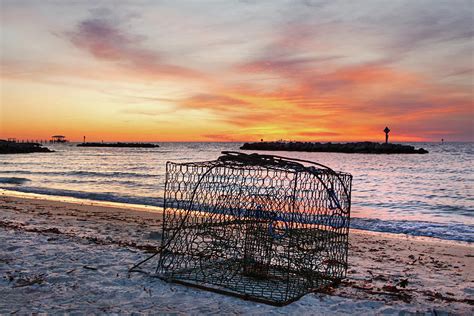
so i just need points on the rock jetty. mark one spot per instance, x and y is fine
(8, 147)
(350, 148)
(132, 145)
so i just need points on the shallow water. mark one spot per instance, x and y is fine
(426, 195)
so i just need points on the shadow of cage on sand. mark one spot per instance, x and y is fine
(264, 228)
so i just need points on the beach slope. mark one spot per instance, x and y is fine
(71, 257)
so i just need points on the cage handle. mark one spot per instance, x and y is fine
(287, 161)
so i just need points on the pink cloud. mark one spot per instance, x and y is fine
(105, 39)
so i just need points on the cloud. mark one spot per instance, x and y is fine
(285, 64)
(318, 134)
(104, 36)
(163, 110)
(214, 101)
(224, 137)
(424, 24)
(289, 69)
(105, 41)
(468, 71)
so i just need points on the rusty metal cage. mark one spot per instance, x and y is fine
(265, 228)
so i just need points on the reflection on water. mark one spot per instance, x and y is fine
(435, 188)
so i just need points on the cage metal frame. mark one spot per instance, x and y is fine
(260, 227)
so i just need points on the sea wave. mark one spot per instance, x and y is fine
(13, 180)
(448, 231)
(103, 196)
(118, 174)
(420, 206)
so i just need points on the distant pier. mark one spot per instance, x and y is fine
(23, 141)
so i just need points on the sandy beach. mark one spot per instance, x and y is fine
(59, 256)
(304, 157)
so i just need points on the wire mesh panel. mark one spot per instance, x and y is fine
(260, 227)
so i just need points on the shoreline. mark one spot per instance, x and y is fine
(74, 200)
(438, 273)
(159, 209)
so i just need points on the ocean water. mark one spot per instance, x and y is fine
(424, 195)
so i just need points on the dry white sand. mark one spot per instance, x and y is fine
(70, 257)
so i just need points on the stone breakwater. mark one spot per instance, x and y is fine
(7, 147)
(350, 148)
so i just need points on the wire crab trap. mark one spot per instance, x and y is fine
(265, 228)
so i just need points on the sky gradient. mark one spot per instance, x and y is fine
(237, 70)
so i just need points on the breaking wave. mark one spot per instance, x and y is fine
(14, 180)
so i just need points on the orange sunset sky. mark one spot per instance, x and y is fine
(237, 70)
